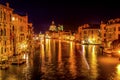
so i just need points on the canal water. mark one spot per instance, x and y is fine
(65, 60)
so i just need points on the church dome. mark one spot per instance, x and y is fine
(52, 26)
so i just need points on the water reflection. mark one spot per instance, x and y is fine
(72, 60)
(42, 51)
(59, 55)
(64, 60)
(116, 75)
(118, 72)
(92, 58)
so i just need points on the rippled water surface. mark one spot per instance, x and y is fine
(65, 60)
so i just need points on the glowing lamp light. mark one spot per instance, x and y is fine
(119, 51)
(83, 41)
(13, 18)
(23, 45)
(118, 69)
(37, 38)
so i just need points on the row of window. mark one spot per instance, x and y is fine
(111, 29)
(2, 14)
(18, 19)
(3, 32)
(5, 49)
(90, 31)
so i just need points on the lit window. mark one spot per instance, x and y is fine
(13, 18)
(16, 19)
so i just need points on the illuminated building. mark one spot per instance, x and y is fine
(5, 24)
(78, 34)
(89, 34)
(110, 31)
(14, 31)
(30, 37)
(53, 27)
(60, 27)
(103, 33)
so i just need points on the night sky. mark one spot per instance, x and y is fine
(69, 13)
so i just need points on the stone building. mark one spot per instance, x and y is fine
(89, 34)
(15, 31)
(52, 27)
(110, 31)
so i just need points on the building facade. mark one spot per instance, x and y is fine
(89, 34)
(20, 32)
(15, 31)
(5, 23)
(52, 27)
(110, 31)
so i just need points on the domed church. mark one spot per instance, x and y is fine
(52, 27)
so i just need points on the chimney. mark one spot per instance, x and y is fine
(7, 4)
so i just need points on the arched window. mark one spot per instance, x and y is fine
(1, 50)
(21, 28)
(13, 28)
(4, 16)
(1, 32)
(4, 32)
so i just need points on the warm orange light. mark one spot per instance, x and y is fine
(119, 51)
(118, 69)
(13, 18)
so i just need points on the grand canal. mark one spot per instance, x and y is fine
(64, 60)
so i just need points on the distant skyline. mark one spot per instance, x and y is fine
(70, 13)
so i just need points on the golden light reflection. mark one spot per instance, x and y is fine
(53, 52)
(83, 48)
(118, 69)
(25, 56)
(42, 58)
(46, 42)
(60, 56)
(119, 51)
(72, 60)
(93, 62)
(85, 61)
(43, 53)
(117, 75)
(49, 51)
(94, 58)
(83, 55)
(59, 52)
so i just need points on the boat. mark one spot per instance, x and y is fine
(4, 65)
(113, 52)
(18, 62)
(116, 53)
(107, 50)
